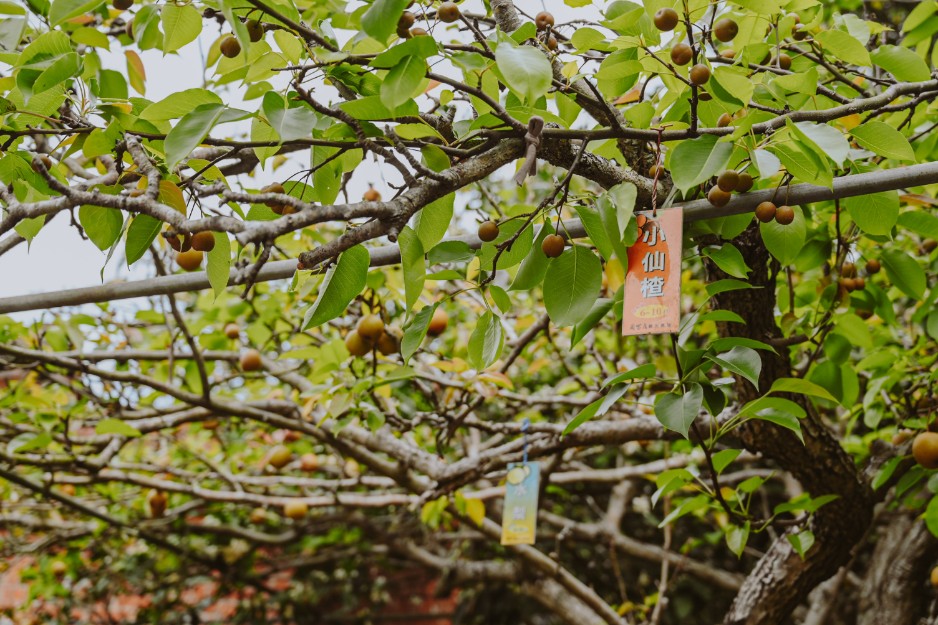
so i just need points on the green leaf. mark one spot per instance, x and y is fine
(597, 408)
(380, 20)
(534, 266)
(801, 387)
(402, 82)
(116, 427)
(844, 47)
(576, 279)
(181, 25)
(728, 258)
(288, 123)
(642, 371)
(449, 252)
(219, 263)
(178, 104)
(415, 332)
(902, 63)
(904, 272)
(190, 131)
(59, 72)
(802, 542)
(724, 458)
(697, 160)
(141, 233)
(28, 441)
(413, 265)
(687, 507)
(874, 213)
(777, 410)
(920, 222)
(723, 286)
(883, 139)
(433, 220)
(741, 361)
(526, 70)
(737, 537)
(500, 297)
(486, 341)
(102, 225)
(62, 10)
(677, 412)
(599, 310)
(785, 242)
(343, 282)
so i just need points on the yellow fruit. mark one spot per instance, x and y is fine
(356, 344)
(438, 322)
(258, 516)
(370, 327)
(925, 450)
(279, 456)
(295, 510)
(934, 577)
(309, 462)
(58, 568)
(190, 260)
(388, 344)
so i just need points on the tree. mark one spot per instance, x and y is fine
(357, 423)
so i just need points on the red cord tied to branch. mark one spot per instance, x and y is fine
(532, 140)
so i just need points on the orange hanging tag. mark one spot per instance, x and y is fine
(652, 302)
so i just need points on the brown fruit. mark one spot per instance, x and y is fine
(174, 242)
(58, 568)
(448, 12)
(653, 171)
(666, 19)
(553, 245)
(860, 283)
(681, 54)
(765, 212)
(370, 327)
(189, 260)
(543, 20)
(255, 30)
(933, 578)
(848, 270)
(406, 21)
(371, 195)
(744, 184)
(273, 187)
(295, 510)
(230, 47)
(438, 322)
(703, 96)
(203, 241)
(725, 120)
(418, 32)
(783, 61)
(129, 28)
(250, 360)
(728, 54)
(388, 344)
(725, 29)
(157, 501)
(699, 74)
(309, 462)
(232, 330)
(122, 5)
(551, 43)
(718, 197)
(279, 457)
(68, 489)
(785, 215)
(925, 450)
(488, 231)
(873, 266)
(258, 516)
(849, 284)
(799, 32)
(929, 245)
(728, 180)
(356, 344)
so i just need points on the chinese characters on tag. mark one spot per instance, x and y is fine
(653, 282)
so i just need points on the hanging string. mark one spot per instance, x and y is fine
(524, 430)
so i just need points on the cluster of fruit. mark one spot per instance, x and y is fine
(190, 247)
(370, 334)
(552, 245)
(727, 182)
(724, 30)
(231, 47)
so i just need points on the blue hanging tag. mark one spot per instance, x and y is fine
(519, 513)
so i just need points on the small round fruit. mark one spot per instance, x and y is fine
(682, 54)
(189, 260)
(785, 215)
(203, 241)
(925, 450)
(873, 266)
(279, 457)
(783, 61)
(438, 322)
(745, 183)
(157, 501)
(724, 120)
(59, 568)
(488, 231)
(666, 19)
(551, 43)
(230, 47)
(799, 32)
(255, 30)
(258, 516)
(543, 20)
(553, 245)
(309, 462)
(725, 29)
(929, 245)
(295, 510)
(371, 195)
(406, 21)
(388, 344)
(68, 489)
(232, 330)
(448, 12)
(122, 5)
(860, 283)
(765, 212)
(370, 327)
(655, 170)
(250, 360)
(728, 54)
(356, 344)
(418, 32)
(699, 74)
(728, 180)
(718, 197)
(848, 270)
(849, 284)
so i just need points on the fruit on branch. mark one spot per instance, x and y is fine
(295, 510)
(783, 61)
(418, 32)
(544, 20)
(666, 19)
(553, 245)
(728, 180)
(389, 343)
(744, 184)
(725, 29)
(255, 30)
(58, 568)
(682, 54)
(370, 327)
(654, 169)
(438, 322)
(848, 270)
(724, 120)
(46, 162)
(448, 12)
(371, 194)
(785, 215)
(356, 344)
(250, 360)
(929, 245)
(122, 5)
(873, 266)
(765, 212)
(279, 456)
(189, 260)
(232, 330)
(551, 43)
(258, 516)
(799, 32)
(68, 489)
(718, 197)
(488, 231)
(406, 20)
(203, 241)
(699, 74)
(925, 450)
(309, 462)
(729, 53)
(157, 501)
(230, 47)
